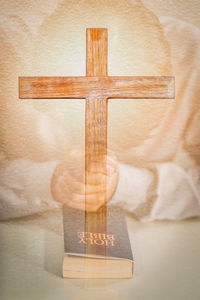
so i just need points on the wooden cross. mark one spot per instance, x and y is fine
(96, 88)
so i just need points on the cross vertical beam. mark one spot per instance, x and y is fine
(96, 125)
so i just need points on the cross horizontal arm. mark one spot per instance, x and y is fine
(137, 87)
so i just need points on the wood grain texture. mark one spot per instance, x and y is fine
(96, 125)
(108, 87)
(96, 52)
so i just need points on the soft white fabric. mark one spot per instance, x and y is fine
(167, 190)
(25, 187)
(177, 192)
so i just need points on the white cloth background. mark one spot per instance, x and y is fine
(170, 190)
(176, 193)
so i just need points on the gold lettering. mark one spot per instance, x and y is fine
(96, 238)
(112, 243)
(99, 243)
(95, 235)
(90, 240)
(110, 236)
(81, 234)
(82, 241)
(103, 236)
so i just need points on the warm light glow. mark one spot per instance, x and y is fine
(136, 47)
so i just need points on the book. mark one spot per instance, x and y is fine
(97, 252)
